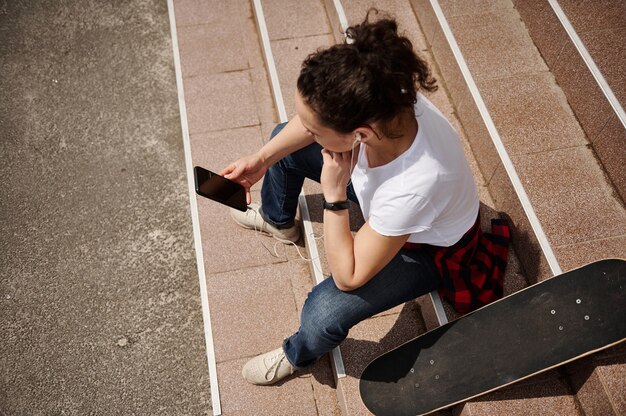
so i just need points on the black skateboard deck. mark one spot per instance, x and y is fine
(538, 328)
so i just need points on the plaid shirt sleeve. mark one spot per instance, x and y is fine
(472, 270)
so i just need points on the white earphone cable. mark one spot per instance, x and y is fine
(274, 250)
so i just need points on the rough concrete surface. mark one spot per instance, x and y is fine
(99, 301)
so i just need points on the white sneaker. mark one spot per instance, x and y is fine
(268, 368)
(251, 219)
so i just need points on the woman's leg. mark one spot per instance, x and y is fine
(283, 181)
(328, 313)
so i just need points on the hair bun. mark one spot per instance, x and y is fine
(372, 36)
(372, 77)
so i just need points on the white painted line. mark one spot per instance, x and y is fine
(440, 313)
(341, 13)
(206, 315)
(304, 211)
(269, 58)
(497, 141)
(593, 68)
(314, 254)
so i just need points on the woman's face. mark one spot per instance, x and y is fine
(328, 138)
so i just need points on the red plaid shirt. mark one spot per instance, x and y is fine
(472, 270)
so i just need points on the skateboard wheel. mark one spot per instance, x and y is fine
(432, 362)
(578, 301)
(586, 317)
(552, 311)
(560, 328)
(412, 370)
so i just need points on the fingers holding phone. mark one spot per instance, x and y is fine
(246, 171)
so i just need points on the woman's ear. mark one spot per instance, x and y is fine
(366, 132)
(361, 134)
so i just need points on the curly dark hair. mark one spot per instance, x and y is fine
(371, 77)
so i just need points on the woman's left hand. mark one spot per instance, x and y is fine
(335, 175)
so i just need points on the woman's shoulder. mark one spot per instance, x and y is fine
(429, 113)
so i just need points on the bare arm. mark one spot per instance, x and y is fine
(353, 261)
(290, 139)
(249, 169)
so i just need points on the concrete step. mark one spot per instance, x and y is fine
(394, 331)
(564, 181)
(598, 381)
(574, 191)
(254, 295)
(231, 112)
(601, 27)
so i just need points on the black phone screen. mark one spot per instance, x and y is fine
(218, 188)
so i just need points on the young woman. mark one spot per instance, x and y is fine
(365, 133)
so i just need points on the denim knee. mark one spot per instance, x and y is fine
(323, 326)
(325, 313)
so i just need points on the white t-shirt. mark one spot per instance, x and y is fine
(428, 191)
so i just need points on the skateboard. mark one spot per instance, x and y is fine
(534, 330)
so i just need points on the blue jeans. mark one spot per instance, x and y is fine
(283, 182)
(329, 313)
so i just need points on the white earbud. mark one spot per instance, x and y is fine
(357, 137)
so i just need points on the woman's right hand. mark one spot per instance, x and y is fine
(246, 171)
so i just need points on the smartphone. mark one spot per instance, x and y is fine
(218, 188)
